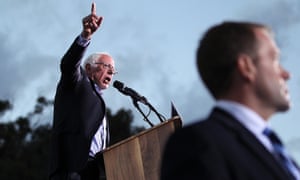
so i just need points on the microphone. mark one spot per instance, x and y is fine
(129, 92)
(136, 97)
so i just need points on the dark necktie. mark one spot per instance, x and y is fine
(281, 154)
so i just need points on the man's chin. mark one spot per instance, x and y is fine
(104, 86)
(285, 107)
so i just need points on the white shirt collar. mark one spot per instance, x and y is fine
(244, 115)
(248, 118)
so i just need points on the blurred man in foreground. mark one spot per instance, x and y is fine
(239, 64)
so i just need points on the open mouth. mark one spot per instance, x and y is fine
(107, 80)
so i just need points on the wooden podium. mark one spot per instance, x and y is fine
(138, 157)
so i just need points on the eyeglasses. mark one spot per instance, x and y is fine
(107, 66)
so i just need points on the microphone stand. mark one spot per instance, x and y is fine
(138, 107)
(153, 109)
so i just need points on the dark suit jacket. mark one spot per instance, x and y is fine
(78, 113)
(218, 148)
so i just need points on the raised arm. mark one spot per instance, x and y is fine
(91, 23)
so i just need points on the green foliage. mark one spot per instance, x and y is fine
(24, 150)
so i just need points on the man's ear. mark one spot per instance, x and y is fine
(246, 67)
(88, 69)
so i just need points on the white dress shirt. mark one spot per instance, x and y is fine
(248, 118)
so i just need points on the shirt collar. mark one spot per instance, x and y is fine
(98, 89)
(250, 119)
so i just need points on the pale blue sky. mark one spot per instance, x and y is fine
(153, 42)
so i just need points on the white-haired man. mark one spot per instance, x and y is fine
(80, 130)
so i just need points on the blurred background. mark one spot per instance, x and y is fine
(153, 44)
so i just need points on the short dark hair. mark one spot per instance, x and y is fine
(218, 52)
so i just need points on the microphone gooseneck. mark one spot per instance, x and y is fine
(136, 97)
(129, 92)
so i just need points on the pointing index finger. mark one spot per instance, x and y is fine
(93, 10)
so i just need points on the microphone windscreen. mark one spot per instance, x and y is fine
(119, 85)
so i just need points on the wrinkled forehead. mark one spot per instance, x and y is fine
(106, 59)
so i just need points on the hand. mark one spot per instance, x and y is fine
(91, 23)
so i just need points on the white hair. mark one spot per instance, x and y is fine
(91, 59)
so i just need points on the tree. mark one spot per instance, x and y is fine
(4, 105)
(121, 125)
(24, 149)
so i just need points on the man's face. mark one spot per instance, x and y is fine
(102, 72)
(270, 85)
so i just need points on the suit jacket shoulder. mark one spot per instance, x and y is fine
(218, 147)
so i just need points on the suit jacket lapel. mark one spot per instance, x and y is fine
(104, 110)
(248, 139)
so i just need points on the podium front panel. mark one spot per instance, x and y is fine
(138, 157)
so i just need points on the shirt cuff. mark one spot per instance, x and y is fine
(81, 41)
